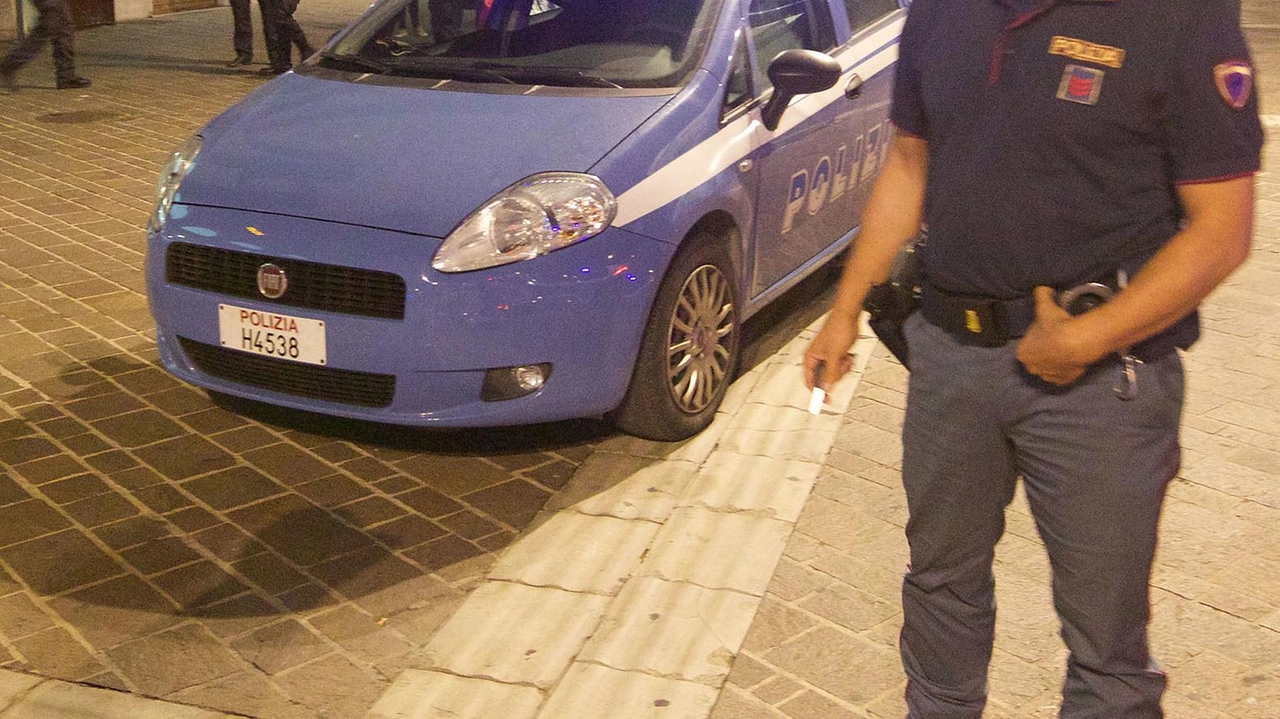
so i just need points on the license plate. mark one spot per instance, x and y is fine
(266, 333)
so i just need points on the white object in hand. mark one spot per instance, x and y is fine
(816, 398)
(818, 395)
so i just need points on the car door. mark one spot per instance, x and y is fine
(805, 201)
(873, 25)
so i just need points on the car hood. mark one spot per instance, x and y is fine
(402, 158)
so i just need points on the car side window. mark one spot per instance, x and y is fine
(863, 13)
(778, 25)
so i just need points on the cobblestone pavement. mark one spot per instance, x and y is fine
(155, 542)
(152, 541)
(292, 567)
(824, 644)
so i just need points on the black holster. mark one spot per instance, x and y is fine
(892, 301)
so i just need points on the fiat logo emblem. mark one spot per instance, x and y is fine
(272, 281)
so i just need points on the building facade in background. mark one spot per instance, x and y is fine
(88, 13)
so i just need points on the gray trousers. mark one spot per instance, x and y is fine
(1095, 468)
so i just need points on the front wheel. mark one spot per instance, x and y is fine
(690, 348)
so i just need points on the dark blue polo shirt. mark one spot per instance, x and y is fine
(1058, 134)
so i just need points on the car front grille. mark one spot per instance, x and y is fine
(331, 288)
(364, 389)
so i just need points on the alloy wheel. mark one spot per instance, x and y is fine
(698, 354)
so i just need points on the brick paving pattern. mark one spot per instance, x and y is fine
(824, 644)
(151, 540)
(284, 566)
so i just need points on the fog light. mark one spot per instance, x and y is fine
(512, 382)
(529, 377)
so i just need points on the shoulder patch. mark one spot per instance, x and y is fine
(1234, 80)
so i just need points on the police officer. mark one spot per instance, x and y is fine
(54, 25)
(282, 32)
(1047, 145)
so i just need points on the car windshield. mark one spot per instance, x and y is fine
(574, 43)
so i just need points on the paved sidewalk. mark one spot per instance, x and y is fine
(160, 545)
(634, 592)
(242, 565)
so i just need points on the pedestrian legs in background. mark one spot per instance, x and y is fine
(54, 26)
(242, 34)
(282, 34)
(293, 31)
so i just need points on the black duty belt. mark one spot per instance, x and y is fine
(977, 320)
(991, 322)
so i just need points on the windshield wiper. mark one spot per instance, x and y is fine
(480, 69)
(411, 66)
(357, 62)
(553, 75)
(598, 80)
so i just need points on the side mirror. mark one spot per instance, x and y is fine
(797, 72)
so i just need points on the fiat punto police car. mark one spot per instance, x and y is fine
(498, 212)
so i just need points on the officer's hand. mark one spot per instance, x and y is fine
(831, 346)
(1047, 351)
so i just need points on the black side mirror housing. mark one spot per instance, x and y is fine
(797, 72)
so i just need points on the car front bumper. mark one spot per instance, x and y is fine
(582, 309)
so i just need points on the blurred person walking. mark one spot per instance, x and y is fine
(282, 34)
(53, 26)
(242, 32)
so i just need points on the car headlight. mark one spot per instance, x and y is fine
(175, 169)
(541, 213)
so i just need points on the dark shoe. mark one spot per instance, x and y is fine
(305, 52)
(73, 83)
(242, 58)
(274, 70)
(9, 81)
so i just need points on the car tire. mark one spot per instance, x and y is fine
(689, 351)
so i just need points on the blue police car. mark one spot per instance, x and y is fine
(496, 212)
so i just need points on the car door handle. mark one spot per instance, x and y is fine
(854, 89)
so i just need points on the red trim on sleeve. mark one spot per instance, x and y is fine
(1224, 178)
